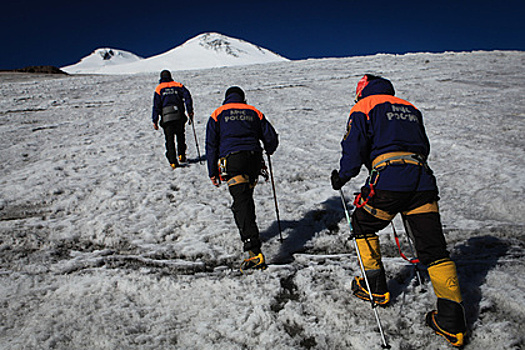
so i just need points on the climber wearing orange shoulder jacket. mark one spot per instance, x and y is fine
(386, 134)
(170, 101)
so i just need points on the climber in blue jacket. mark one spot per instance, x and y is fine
(386, 134)
(234, 154)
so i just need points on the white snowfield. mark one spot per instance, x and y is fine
(103, 246)
(208, 50)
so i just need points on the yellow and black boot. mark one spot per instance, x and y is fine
(375, 273)
(449, 318)
(255, 261)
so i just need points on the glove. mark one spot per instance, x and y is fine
(336, 181)
(216, 181)
(155, 126)
(264, 172)
(190, 118)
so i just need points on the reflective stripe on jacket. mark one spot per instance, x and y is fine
(381, 123)
(237, 126)
(170, 93)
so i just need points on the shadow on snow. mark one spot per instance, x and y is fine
(297, 233)
(474, 259)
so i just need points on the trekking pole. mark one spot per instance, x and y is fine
(275, 199)
(196, 143)
(410, 235)
(384, 344)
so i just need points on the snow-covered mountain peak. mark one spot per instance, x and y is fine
(111, 56)
(116, 56)
(219, 43)
(102, 57)
(222, 43)
(207, 50)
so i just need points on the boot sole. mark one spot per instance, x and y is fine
(454, 339)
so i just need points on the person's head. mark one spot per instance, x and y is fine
(165, 75)
(235, 93)
(373, 85)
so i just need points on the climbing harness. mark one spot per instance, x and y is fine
(397, 158)
(378, 164)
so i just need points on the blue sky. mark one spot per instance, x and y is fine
(60, 33)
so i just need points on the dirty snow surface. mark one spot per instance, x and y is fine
(103, 246)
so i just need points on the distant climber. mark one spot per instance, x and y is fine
(170, 102)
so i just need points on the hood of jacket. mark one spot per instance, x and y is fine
(233, 98)
(379, 86)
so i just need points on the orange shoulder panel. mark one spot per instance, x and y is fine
(228, 106)
(367, 104)
(167, 84)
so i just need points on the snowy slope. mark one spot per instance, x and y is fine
(103, 246)
(208, 50)
(100, 59)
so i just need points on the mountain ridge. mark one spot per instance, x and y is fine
(206, 50)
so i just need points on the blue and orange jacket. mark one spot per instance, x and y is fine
(170, 93)
(237, 126)
(381, 123)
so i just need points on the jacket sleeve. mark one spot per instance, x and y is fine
(269, 137)
(355, 146)
(188, 102)
(212, 147)
(157, 108)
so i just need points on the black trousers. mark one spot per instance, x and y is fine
(429, 240)
(420, 210)
(172, 129)
(249, 164)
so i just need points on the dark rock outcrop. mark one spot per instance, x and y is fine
(40, 69)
